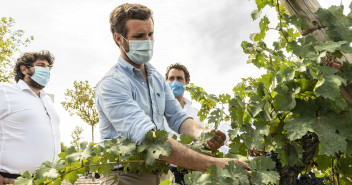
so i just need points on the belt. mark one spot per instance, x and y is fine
(9, 175)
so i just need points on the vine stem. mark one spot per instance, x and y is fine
(109, 163)
(332, 171)
(212, 106)
(280, 16)
(349, 179)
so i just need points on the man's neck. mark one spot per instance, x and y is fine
(36, 91)
(140, 67)
(182, 101)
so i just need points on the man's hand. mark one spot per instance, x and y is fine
(216, 141)
(4, 180)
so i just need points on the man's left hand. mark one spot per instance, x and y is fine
(216, 141)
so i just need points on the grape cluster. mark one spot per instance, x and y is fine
(309, 179)
(273, 157)
(306, 179)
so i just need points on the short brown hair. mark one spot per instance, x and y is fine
(27, 59)
(124, 12)
(180, 67)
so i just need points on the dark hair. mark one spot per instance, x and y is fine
(27, 59)
(178, 67)
(124, 12)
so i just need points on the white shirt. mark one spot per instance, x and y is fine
(191, 111)
(29, 129)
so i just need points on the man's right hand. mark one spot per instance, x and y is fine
(4, 180)
(216, 141)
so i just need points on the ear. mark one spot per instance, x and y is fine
(187, 82)
(24, 69)
(118, 38)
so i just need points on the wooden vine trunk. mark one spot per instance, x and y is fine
(307, 8)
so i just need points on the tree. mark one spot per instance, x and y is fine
(76, 137)
(10, 43)
(80, 101)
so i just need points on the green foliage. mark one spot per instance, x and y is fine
(297, 95)
(95, 158)
(11, 42)
(76, 136)
(80, 101)
(231, 174)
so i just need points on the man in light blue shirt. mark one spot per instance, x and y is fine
(133, 97)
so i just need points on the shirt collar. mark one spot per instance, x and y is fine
(189, 102)
(24, 86)
(130, 68)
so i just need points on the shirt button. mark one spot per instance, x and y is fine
(142, 83)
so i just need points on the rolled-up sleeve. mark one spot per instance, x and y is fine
(115, 101)
(174, 113)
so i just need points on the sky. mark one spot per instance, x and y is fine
(204, 35)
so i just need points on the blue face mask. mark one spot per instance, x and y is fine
(141, 51)
(41, 75)
(177, 88)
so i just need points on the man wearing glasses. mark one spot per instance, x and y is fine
(29, 124)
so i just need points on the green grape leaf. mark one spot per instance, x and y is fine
(254, 137)
(255, 14)
(344, 166)
(256, 108)
(261, 163)
(83, 153)
(196, 178)
(186, 139)
(234, 173)
(305, 48)
(332, 129)
(155, 146)
(166, 182)
(291, 154)
(337, 24)
(323, 161)
(198, 145)
(265, 177)
(71, 177)
(329, 46)
(50, 169)
(215, 174)
(105, 169)
(346, 71)
(238, 148)
(120, 146)
(275, 143)
(284, 99)
(24, 179)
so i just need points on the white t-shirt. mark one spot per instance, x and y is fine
(29, 129)
(191, 111)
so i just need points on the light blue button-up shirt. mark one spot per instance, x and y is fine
(128, 107)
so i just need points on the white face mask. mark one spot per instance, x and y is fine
(141, 51)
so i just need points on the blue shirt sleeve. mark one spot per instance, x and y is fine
(115, 102)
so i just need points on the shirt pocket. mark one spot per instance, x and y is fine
(160, 99)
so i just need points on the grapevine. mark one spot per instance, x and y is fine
(291, 125)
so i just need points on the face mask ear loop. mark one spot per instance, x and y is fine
(122, 44)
